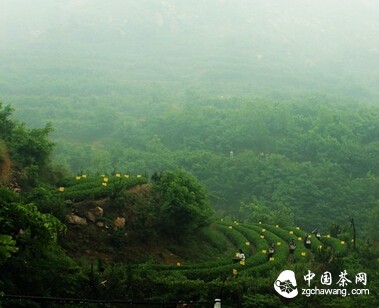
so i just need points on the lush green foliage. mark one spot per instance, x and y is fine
(24, 220)
(31, 259)
(79, 189)
(182, 201)
(310, 157)
(7, 247)
(190, 281)
(272, 175)
(29, 149)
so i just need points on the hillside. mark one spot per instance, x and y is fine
(127, 237)
(199, 260)
(202, 257)
(99, 224)
(102, 225)
(145, 145)
(288, 91)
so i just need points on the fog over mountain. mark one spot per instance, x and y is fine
(272, 44)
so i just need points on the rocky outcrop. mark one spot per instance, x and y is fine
(76, 220)
(5, 164)
(119, 222)
(91, 216)
(98, 211)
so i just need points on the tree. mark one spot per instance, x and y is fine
(183, 206)
(26, 222)
(31, 262)
(257, 211)
(31, 146)
(30, 150)
(7, 247)
(6, 124)
(27, 150)
(372, 224)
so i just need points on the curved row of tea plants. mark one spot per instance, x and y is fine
(95, 187)
(255, 240)
(226, 236)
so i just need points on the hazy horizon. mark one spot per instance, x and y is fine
(262, 44)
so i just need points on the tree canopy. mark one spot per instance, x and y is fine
(29, 149)
(182, 201)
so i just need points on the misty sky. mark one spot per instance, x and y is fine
(296, 21)
(328, 36)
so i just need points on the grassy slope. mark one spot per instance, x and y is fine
(210, 249)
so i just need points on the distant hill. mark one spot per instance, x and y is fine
(262, 44)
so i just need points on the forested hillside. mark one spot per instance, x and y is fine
(144, 142)
(154, 238)
(276, 108)
(313, 158)
(124, 238)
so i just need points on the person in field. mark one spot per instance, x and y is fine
(240, 256)
(271, 251)
(292, 246)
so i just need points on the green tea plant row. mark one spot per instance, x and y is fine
(81, 179)
(207, 271)
(240, 235)
(228, 269)
(325, 243)
(215, 238)
(301, 254)
(261, 242)
(95, 187)
(223, 232)
(281, 251)
(338, 247)
(218, 234)
(235, 236)
(255, 240)
(260, 245)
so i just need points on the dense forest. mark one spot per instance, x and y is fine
(292, 177)
(313, 158)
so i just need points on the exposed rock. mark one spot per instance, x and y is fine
(68, 202)
(100, 224)
(76, 220)
(91, 216)
(119, 222)
(5, 164)
(98, 211)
